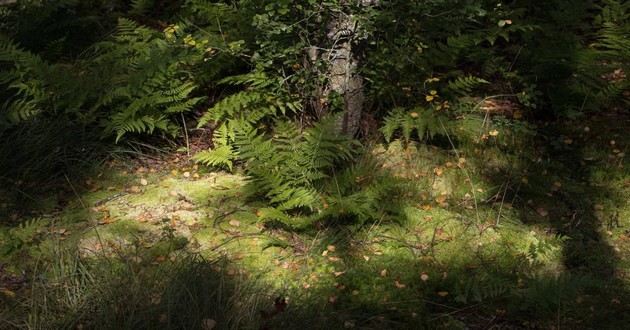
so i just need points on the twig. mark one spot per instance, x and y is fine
(186, 135)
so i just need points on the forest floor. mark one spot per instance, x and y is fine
(490, 242)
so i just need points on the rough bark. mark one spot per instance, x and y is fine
(343, 64)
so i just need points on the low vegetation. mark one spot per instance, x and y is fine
(199, 165)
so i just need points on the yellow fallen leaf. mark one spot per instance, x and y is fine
(430, 98)
(144, 182)
(414, 115)
(399, 285)
(187, 174)
(442, 293)
(383, 272)
(8, 293)
(438, 171)
(518, 114)
(493, 133)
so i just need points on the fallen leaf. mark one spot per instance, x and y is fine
(442, 293)
(144, 182)
(8, 293)
(134, 189)
(383, 272)
(440, 199)
(208, 324)
(424, 277)
(366, 258)
(156, 299)
(331, 248)
(438, 171)
(235, 223)
(399, 285)
(187, 174)
(493, 133)
(337, 274)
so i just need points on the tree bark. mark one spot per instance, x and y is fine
(343, 64)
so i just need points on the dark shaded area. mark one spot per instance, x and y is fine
(563, 187)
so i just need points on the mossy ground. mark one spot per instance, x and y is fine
(531, 238)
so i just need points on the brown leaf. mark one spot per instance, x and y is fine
(438, 171)
(542, 212)
(208, 324)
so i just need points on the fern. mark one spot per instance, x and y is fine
(288, 167)
(23, 82)
(420, 121)
(218, 157)
(147, 82)
(465, 85)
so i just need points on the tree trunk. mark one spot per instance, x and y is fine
(343, 63)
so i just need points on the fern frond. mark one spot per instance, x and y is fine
(218, 157)
(465, 85)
